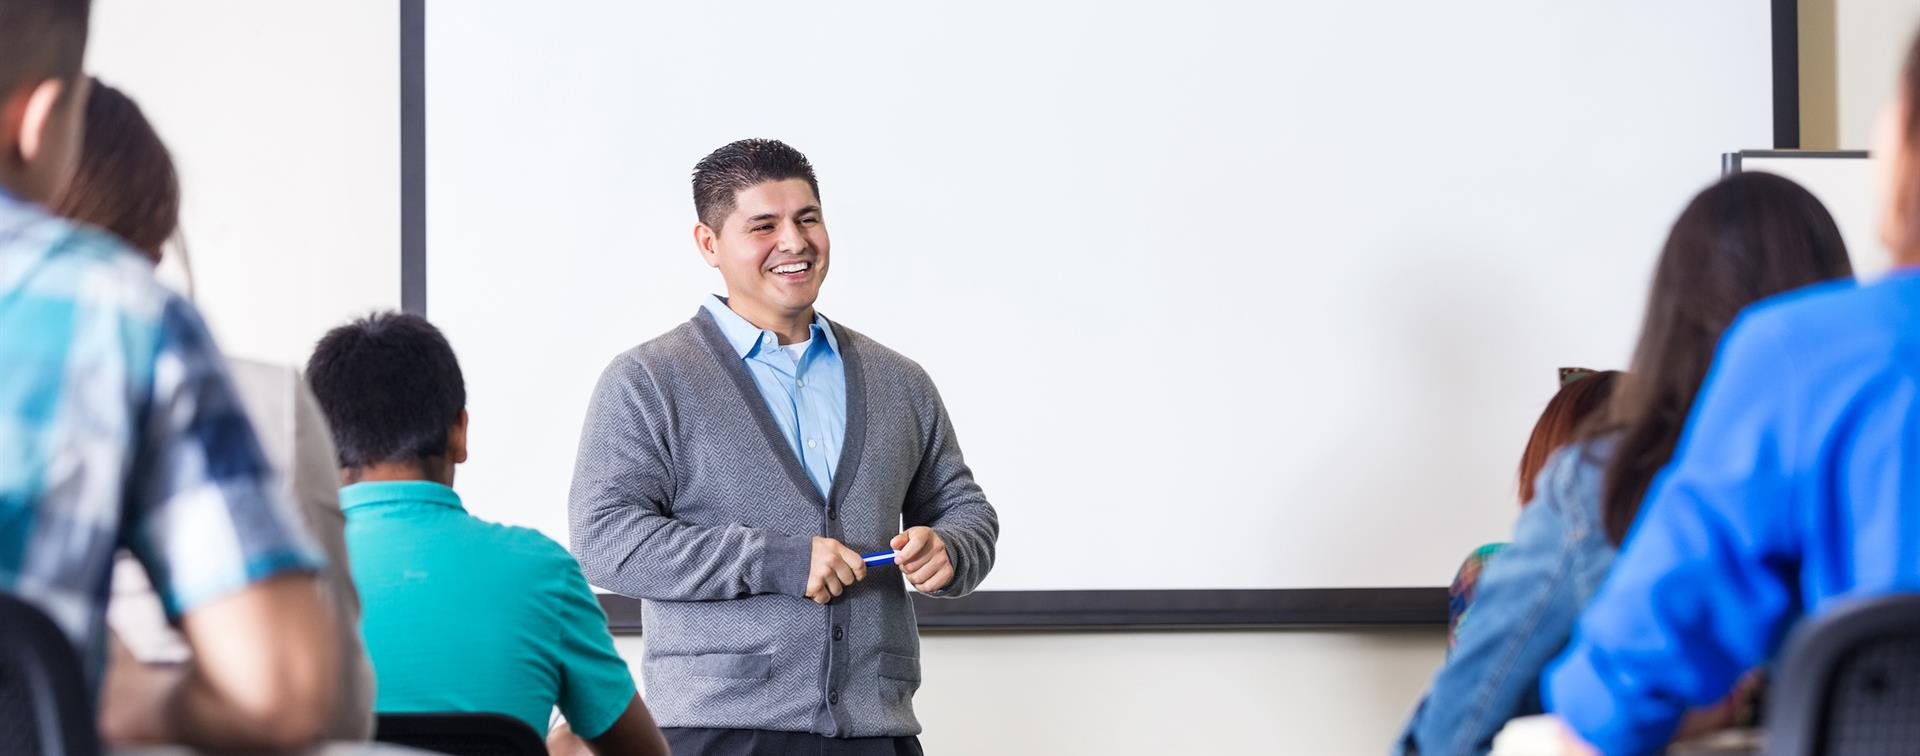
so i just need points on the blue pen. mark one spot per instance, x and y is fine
(880, 557)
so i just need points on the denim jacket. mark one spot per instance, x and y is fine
(1523, 613)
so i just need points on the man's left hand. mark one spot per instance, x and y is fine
(922, 557)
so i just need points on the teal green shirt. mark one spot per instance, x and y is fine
(461, 614)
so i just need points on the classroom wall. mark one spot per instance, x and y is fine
(1124, 693)
(274, 216)
(1850, 54)
(282, 117)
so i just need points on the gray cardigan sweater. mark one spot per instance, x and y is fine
(685, 495)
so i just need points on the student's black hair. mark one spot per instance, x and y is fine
(390, 387)
(1746, 238)
(745, 164)
(40, 40)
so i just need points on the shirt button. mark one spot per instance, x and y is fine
(838, 634)
(812, 443)
(833, 698)
(801, 384)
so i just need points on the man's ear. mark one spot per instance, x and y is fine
(457, 440)
(36, 112)
(708, 241)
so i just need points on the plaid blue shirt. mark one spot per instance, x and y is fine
(119, 428)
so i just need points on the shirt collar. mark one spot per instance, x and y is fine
(748, 339)
(398, 492)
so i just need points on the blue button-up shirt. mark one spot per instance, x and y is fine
(119, 428)
(807, 396)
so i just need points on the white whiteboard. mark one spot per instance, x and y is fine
(1219, 294)
(283, 120)
(1848, 184)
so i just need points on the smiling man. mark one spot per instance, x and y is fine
(733, 470)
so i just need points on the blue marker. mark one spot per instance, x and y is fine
(882, 557)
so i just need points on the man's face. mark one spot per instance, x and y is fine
(772, 250)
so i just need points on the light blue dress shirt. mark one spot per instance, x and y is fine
(807, 396)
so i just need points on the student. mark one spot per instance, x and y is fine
(1791, 492)
(1582, 392)
(126, 184)
(1747, 237)
(120, 429)
(734, 469)
(461, 614)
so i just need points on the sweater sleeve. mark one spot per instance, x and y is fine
(943, 496)
(619, 511)
(1698, 595)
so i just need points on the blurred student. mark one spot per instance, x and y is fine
(1792, 491)
(125, 183)
(1582, 392)
(1748, 237)
(119, 428)
(461, 614)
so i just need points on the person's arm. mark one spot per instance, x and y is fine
(1697, 596)
(618, 509)
(633, 734)
(231, 558)
(1523, 611)
(597, 694)
(948, 546)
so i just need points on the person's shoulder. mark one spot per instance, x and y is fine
(877, 358)
(675, 347)
(1574, 479)
(540, 560)
(511, 541)
(1832, 324)
(91, 269)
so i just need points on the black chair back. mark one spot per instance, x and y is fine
(44, 706)
(460, 733)
(1849, 683)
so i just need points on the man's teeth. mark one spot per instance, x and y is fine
(792, 267)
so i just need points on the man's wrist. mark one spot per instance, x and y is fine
(786, 565)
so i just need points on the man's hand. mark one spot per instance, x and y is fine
(923, 559)
(835, 568)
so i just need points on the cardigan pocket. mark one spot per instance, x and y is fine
(731, 666)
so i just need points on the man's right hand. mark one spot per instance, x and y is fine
(834, 568)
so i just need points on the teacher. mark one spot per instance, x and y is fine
(732, 471)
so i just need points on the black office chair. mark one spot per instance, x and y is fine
(44, 706)
(460, 733)
(1849, 683)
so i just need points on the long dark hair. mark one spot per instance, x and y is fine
(1748, 237)
(125, 182)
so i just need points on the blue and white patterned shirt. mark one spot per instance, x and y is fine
(120, 428)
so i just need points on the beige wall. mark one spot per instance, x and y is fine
(1849, 61)
(1124, 693)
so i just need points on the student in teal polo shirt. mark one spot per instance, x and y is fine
(459, 614)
